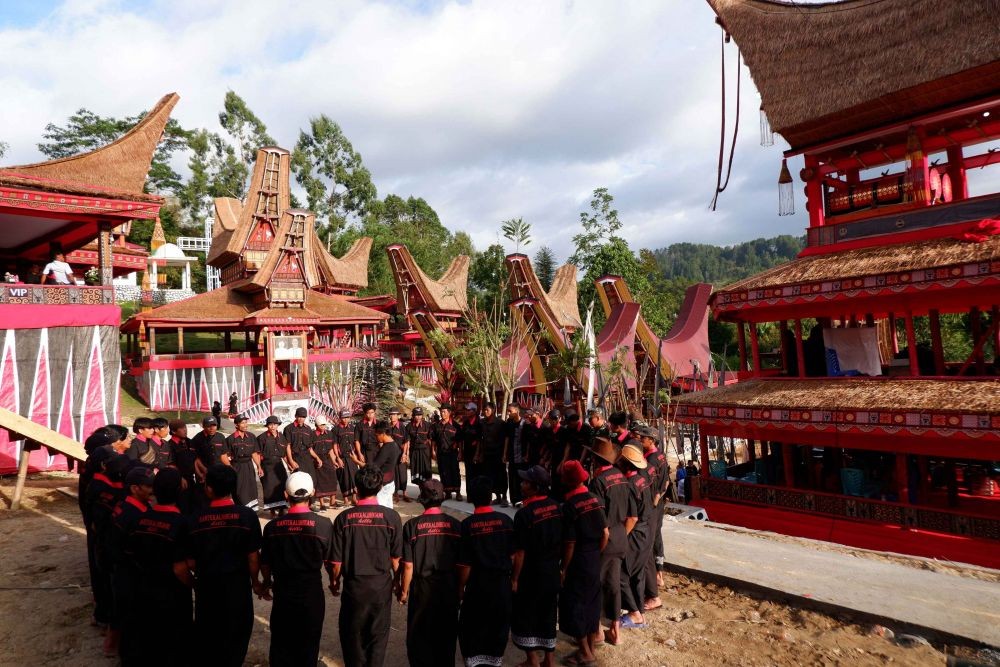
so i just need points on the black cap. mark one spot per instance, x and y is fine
(618, 418)
(572, 418)
(554, 415)
(418, 411)
(446, 406)
(209, 421)
(394, 411)
(537, 475)
(301, 412)
(273, 419)
(140, 475)
(239, 419)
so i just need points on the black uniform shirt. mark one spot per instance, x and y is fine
(364, 432)
(102, 497)
(164, 450)
(366, 538)
(210, 450)
(300, 438)
(531, 441)
(658, 471)
(271, 446)
(323, 445)
(385, 459)
(431, 543)
(418, 434)
(241, 447)
(184, 456)
(643, 499)
(538, 533)
(123, 521)
(445, 435)
(221, 537)
(470, 433)
(609, 484)
(344, 437)
(487, 540)
(398, 433)
(577, 436)
(297, 546)
(494, 432)
(157, 542)
(583, 519)
(138, 449)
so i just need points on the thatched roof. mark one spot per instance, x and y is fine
(562, 298)
(351, 270)
(448, 294)
(831, 69)
(117, 170)
(873, 261)
(864, 394)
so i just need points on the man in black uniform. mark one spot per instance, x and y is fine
(300, 436)
(658, 470)
(429, 582)
(445, 441)
(295, 550)
(162, 444)
(222, 552)
(367, 546)
(273, 449)
(490, 453)
(398, 433)
(244, 456)
(185, 456)
(531, 437)
(470, 435)
(538, 542)
(639, 539)
(418, 443)
(104, 492)
(343, 434)
(609, 484)
(141, 452)
(211, 447)
(484, 568)
(365, 444)
(514, 454)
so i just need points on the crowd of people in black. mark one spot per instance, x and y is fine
(172, 525)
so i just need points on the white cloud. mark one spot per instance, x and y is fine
(487, 110)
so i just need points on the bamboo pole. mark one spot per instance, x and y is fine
(22, 476)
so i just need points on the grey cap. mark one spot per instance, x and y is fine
(345, 414)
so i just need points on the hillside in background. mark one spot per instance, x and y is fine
(721, 265)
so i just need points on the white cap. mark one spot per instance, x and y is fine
(471, 406)
(321, 420)
(300, 485)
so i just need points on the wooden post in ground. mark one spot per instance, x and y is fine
(22, 476)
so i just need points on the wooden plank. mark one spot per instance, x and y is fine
(25, 428)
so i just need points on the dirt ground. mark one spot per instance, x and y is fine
(45, 608)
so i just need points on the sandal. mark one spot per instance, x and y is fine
(574, 660)
(629, 623)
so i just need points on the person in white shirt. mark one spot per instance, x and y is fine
(58, 271)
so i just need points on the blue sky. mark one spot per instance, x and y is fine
(488, 110)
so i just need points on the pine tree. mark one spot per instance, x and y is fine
(545, 266)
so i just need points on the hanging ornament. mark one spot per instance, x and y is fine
(766, 133)
(786, 195)
(916, 163)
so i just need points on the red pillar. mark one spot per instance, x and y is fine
(814, 192)
(956, 171)
(800, 349)
(754, 348)
(785, 352)
(902, 479)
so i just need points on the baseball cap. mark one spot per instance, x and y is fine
(301, 412)
(239, 419)
(417, 411)
(446, 406)
(554, 415)
(300, 485)
(537, 475)
(273, 419)
(345, 414)
(321, 420)
(209, 421)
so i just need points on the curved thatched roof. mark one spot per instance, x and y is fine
(117, 169)
(351, 270)
(832, 69)
(562, 298)
(448, 294)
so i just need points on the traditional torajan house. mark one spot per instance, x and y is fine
(287, 298)
(865, 426)
(60, 363)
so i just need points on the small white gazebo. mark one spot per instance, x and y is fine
(167, 255)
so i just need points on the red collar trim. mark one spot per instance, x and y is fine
(483, 510)
(556, 427)
(157, 440)
(579, 426)
(368, 501)
(140, 438)
(577, 491)
(623, 436)
(104, 478)
(138, 504)
(300, 508)
(432, 510)
(222, 502)
(175, 439)
(650, 452)
(240, 434)
(534, 499)
(166, 508)
(603, 468)
(632, 473)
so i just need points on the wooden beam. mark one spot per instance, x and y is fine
(956, 170)
(892, 333)
(911, 345)
(936, 344)
(977, 349)
(104, 254)
(180, 340)
(800, 353)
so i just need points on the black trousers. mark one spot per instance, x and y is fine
(656, 549)
(297, 622)
(640, 546)
(611, 585)
(364, 620)
(451, 478)
(514, 480)
(497, 472)
(432, 620)
(223, 619)
(170, 601)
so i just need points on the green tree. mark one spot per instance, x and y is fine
(517, 231)
(86, 131)
(600, 227)
(488, 277)
(545, 266)
(232, 160)
(339, 188)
